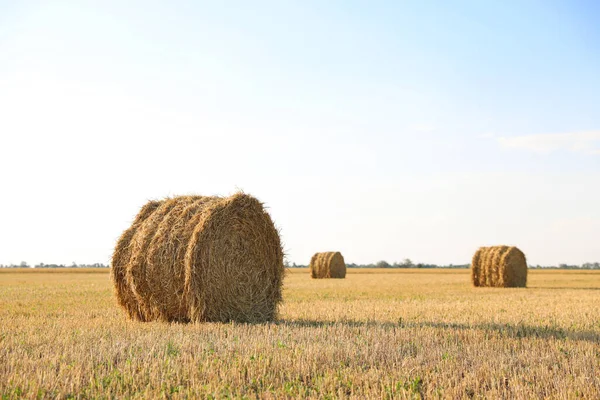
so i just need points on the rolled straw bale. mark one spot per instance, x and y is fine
(499, 266)
(200, 258)
(327, 265)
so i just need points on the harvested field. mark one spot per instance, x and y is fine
(376, 334)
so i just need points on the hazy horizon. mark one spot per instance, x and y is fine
(385, 131)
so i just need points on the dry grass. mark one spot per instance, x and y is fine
(375, 334)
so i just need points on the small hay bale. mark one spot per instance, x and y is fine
(499, 266)
(200, 258)
(327, 265)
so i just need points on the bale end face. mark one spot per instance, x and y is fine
(242, 247)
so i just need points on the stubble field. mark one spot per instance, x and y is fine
(375, 334)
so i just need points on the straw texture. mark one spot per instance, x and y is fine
(200, 258)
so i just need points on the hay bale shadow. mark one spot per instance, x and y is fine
(513, 331)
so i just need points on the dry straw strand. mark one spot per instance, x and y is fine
(200, 258)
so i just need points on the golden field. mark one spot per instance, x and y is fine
(376, 334)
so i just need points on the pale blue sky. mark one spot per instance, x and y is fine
(382, 129)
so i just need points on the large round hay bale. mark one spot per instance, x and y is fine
(200, 258)
(499, 266)
(327, 265)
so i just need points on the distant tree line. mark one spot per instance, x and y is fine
(594, 265)
(407, 263)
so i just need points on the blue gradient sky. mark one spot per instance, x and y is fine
(381, 129)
